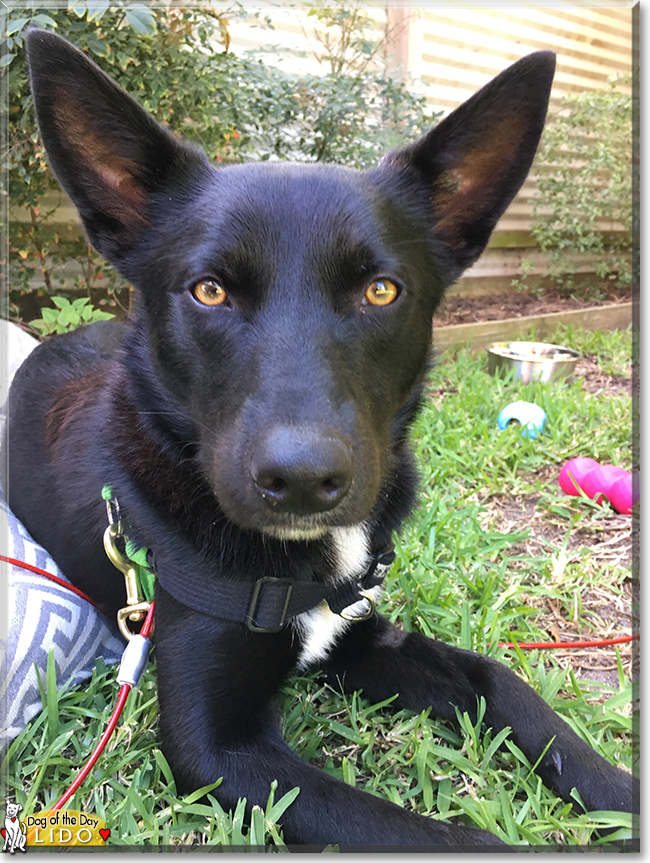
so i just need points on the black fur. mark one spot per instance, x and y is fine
(237, 437)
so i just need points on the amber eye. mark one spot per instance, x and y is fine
(383, 292)
(209, 293)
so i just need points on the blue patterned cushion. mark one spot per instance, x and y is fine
(39, 614)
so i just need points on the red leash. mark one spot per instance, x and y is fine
(134, 661)
(54, 578)
(549, 645)
(125, 688)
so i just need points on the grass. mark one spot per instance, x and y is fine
(494, 553)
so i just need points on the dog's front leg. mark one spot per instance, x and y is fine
(216, 683)
(381, 660)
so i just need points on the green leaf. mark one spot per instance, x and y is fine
(257, 831)
(96, 8)
(44, 20)
(6, 59)
(201, 792)
(443, 797)
(99, 47)
(344, 731)
(141, 19)
(16, 25)
(78, 7)
(278, 809)
(165, 769)
(99, 315)
(52, 700)
(68, 317)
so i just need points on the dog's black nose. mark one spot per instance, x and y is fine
(301, 470)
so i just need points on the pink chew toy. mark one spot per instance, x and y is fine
(621, 495)
(598, 481)
(574, 472)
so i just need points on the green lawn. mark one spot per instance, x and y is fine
(496, 552)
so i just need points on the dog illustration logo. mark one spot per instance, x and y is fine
(14, 831)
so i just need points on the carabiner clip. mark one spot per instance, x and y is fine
(136, 606)
(134, 613)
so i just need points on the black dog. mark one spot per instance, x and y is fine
(252, 420)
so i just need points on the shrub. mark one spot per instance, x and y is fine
(583, 172)
(67, 315)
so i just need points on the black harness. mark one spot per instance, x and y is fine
(264, 605)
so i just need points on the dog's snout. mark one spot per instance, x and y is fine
(302, 470)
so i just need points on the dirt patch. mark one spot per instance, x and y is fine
(597, 383)
(596, 609)
(495, 307)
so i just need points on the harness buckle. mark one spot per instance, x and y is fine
(364, 614)
(264, 584)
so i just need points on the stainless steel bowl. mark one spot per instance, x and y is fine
(533, 361)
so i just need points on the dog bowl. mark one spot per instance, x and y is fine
(532, 361)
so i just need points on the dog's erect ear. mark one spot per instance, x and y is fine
(476, 159)
(108, 153)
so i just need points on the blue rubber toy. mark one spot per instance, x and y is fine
(530, 417)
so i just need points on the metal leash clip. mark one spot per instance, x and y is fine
(136, 606)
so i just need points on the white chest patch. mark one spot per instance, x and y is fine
(319, 628)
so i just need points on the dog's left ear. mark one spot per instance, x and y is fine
(474, 162)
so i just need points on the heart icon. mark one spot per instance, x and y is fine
(104, 833)
(3, 832)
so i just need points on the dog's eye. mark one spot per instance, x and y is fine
(383, 292)
(209, 293)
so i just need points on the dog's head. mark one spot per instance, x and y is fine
(286, 309)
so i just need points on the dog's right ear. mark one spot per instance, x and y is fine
(111, 157)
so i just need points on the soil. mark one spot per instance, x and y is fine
(602, 545)
(471, 309)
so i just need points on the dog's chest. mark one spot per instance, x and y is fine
(319, 628)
